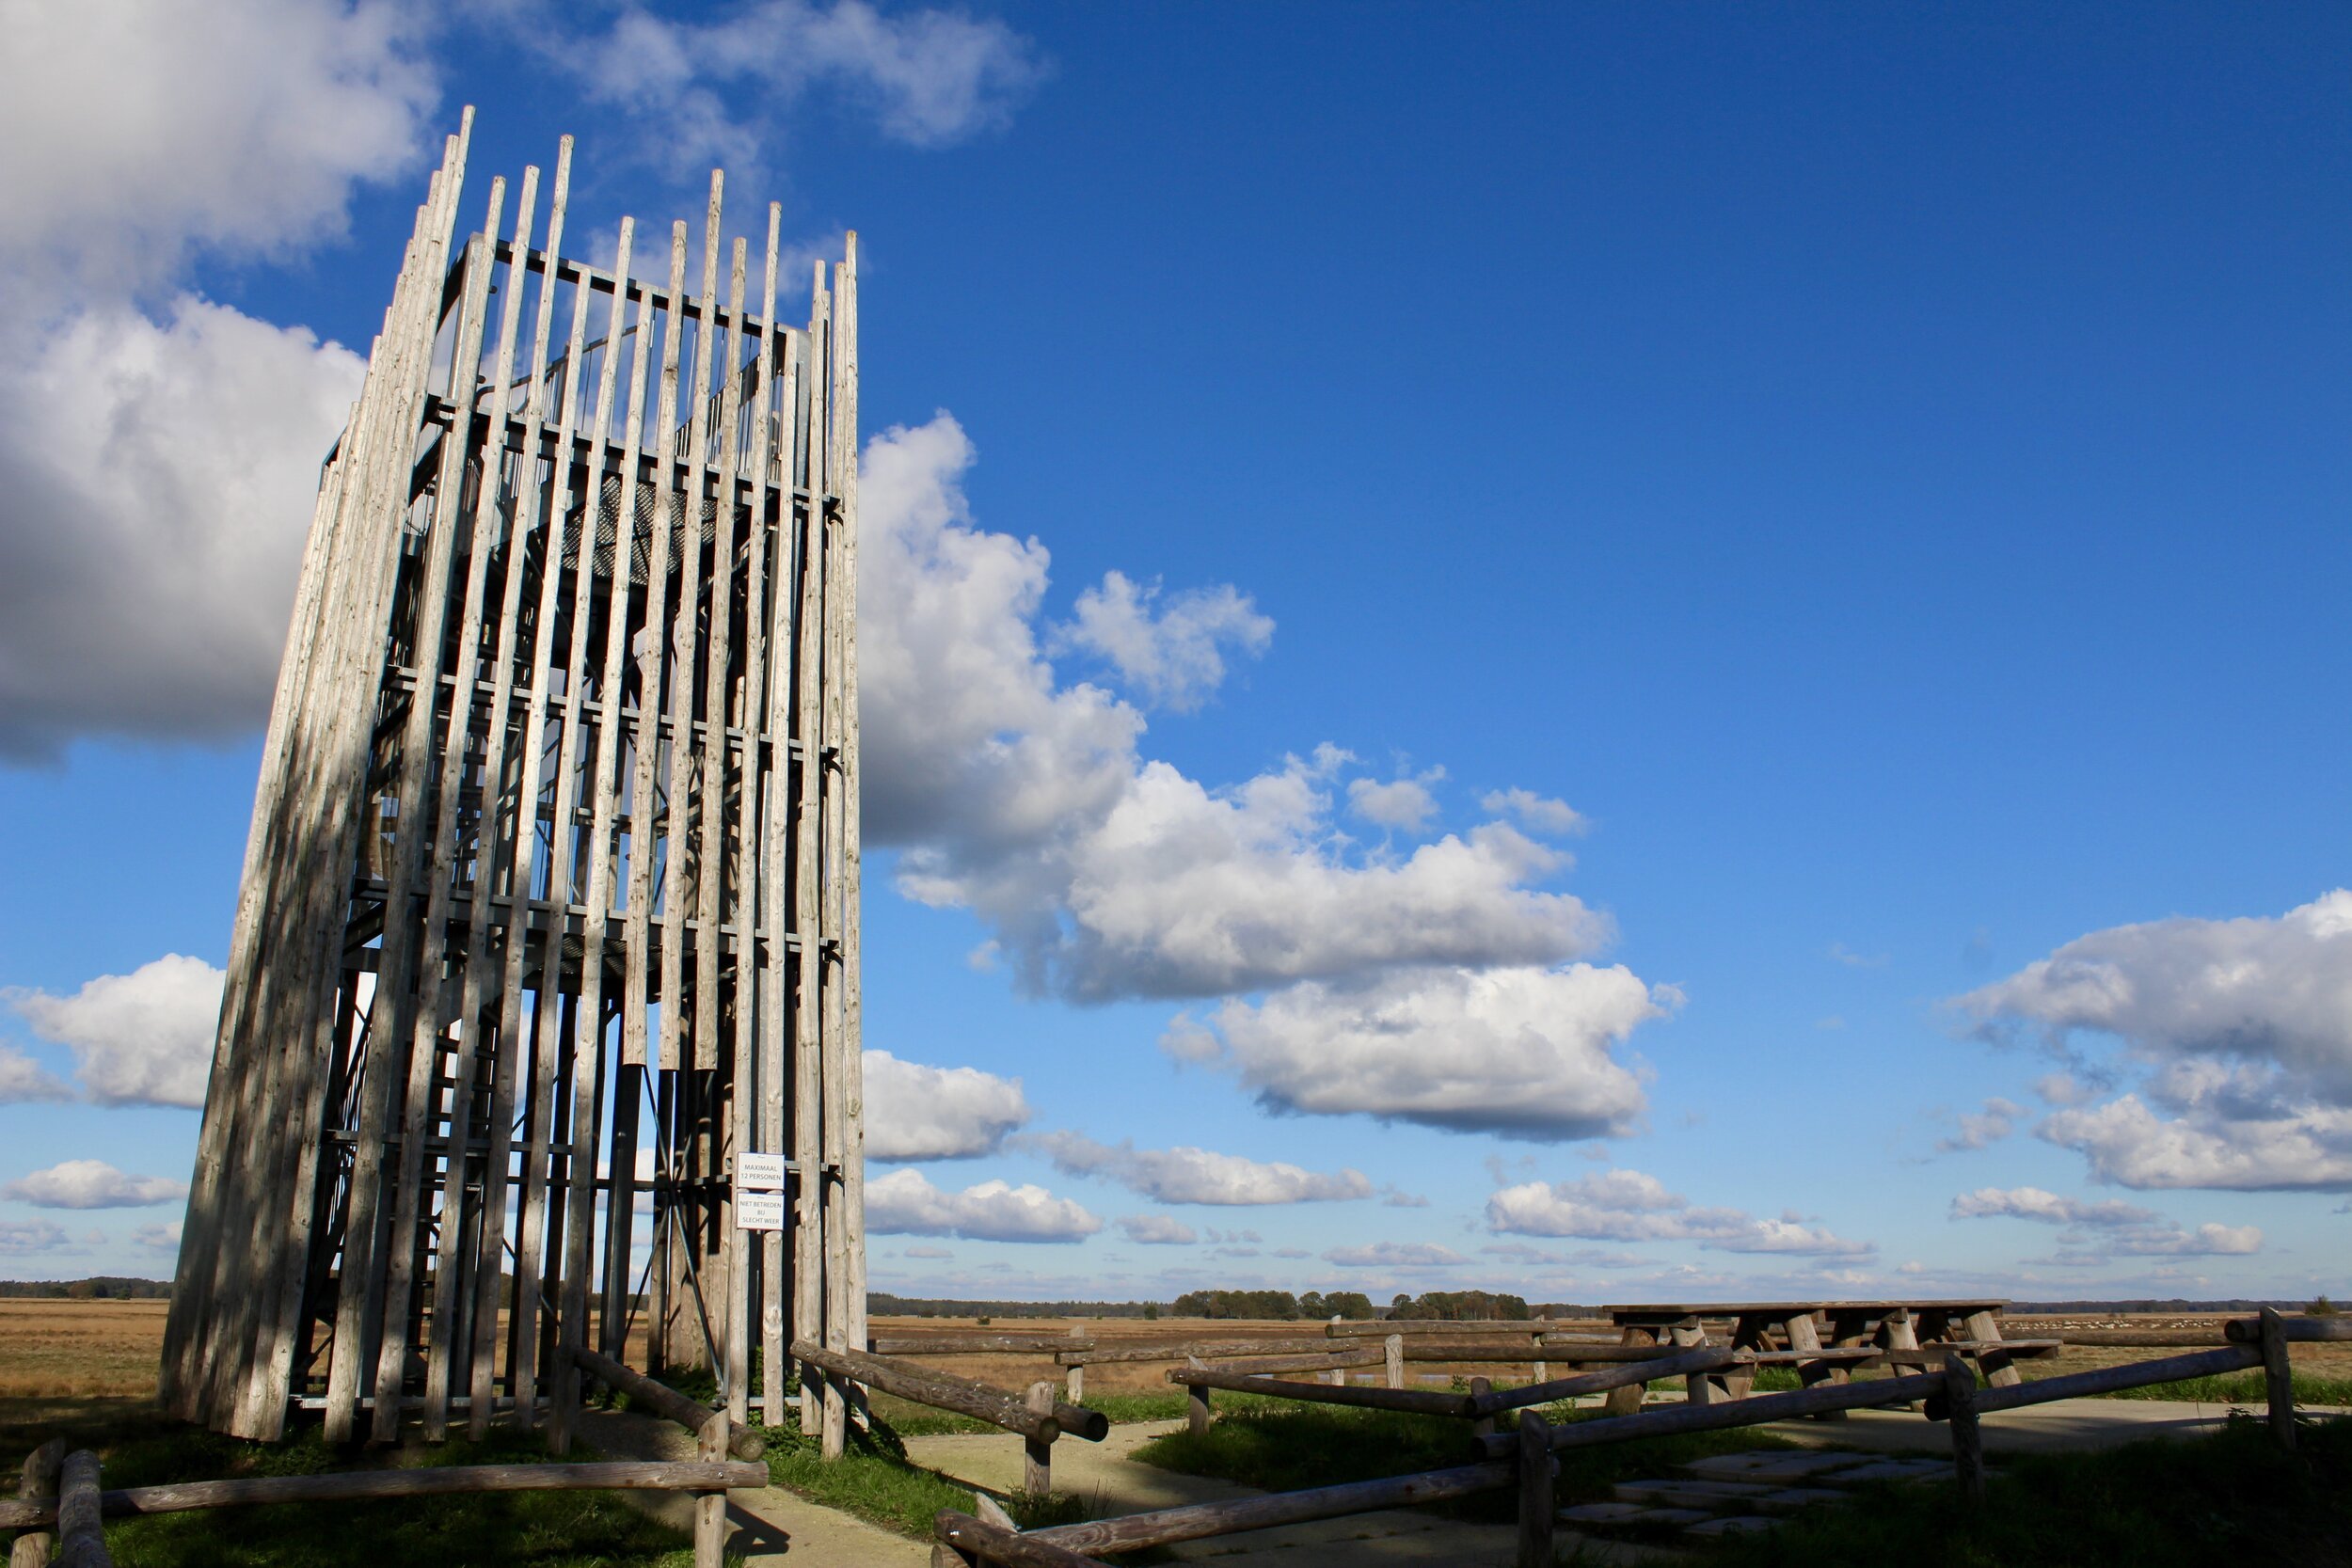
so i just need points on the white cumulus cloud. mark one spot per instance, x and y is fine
(91, 1185)
(1519, 1051)
(1537, 813)
(1157, 1230)
(2046, 1208)
(24, 1080)
(1395, 1255)
(2242, 1030)
(914, 1112)
(141, 1039)
(2098, 1230)
(1171, 653)
(1634, 1206)
(906, 1203)
(21, 1237)
(1101, 875)
(1186, 1175)
(1404, 804)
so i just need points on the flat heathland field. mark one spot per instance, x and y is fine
(67, 1362)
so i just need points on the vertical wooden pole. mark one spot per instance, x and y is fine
(711, 1508)
(1484, 1425)
(2279, 1378)
(1076, 1382)
(1538, 1510)
(1959, 1392)
(1037, 1456)
(43, 1467)
(1196, 1406)
(1393, 1359)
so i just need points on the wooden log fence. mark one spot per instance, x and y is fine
(80, 1518)
(743, 1442)
(44, 1467)
(80, 1507)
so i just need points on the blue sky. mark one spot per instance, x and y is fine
(1872, 480)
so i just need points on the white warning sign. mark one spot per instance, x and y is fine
(764, 1172)
(758, 1210)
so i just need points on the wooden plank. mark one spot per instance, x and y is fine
(1109, 1354)
(1325, 1361)
(809, 1313)
(1167, 1527)
(852, 1058)
(887, 1343)
(360, 1309)
(451, 1480)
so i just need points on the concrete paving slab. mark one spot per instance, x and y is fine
(2058, 1426)
(1774, 1464)
(1712, 1494)
(1737, 1523)
(1790, 1498)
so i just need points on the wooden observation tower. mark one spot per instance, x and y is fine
(541, 1025)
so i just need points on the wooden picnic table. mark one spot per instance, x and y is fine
(1846, 1331)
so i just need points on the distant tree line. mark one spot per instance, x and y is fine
(1277, 1305)
(1461, 1307)
(104, 1288)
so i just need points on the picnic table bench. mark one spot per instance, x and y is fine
(1826, 1338)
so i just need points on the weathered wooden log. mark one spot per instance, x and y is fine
(1537, 1511)
(1417, 1402)
(974, 1344)
(1392, 1352)
(978, 1540)
(1734, 1412)
(2278, 1378)
(1505, 1352)
(81, 1519)
(710, 1508)
(1323, 1362)
(1705, 1359)
(947, 1391)
(1380, 1328)
(344, 1486)
(1106, 1355)
(1960, 1398)
(2107, 1380)
(1198, 1521)
(1037, 1454)
(2299, 1331)
(1932, 1355)
(665, 1402)
(2142, 1338)
(42, 1468)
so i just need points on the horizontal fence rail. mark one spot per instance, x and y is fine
(1525, 1458)
(370, 1485)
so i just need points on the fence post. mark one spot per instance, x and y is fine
(711, 1508)
(42, 1467)
(1196, 1406)
(2278, 1375)
(1037, 1461)
(1077, 1382)
(1959, 1394)
(81, 1536)
(1484, 1425)
(1536, 1510)
(1392, 1354)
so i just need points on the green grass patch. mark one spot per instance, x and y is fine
(2242, 1389)
(1285, 1447)
(874, 1480)
(2230, 1498)
(909, 1419)
(540, 1530)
